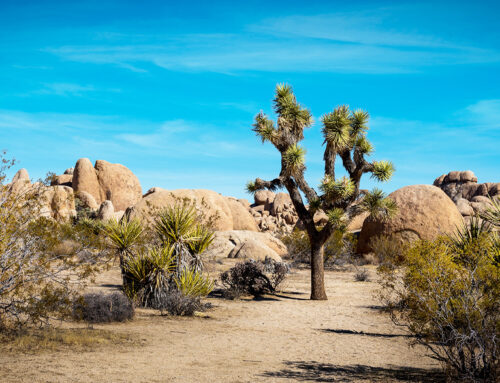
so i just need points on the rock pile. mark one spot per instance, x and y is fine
(273, 212)
(470, 197)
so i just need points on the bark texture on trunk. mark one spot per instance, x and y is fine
(318, 292)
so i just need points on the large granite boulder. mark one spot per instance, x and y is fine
(58, 202)
(229, 244)
(20, 182)
(106, 181)
(424, 212)
(224, 213)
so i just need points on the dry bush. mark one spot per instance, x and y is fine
(362, 275)
(253, 278)
(38, 281)
(389, 251)
(178, 304)
(103, 308)
(447, 294)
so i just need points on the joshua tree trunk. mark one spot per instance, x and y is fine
(317, 272)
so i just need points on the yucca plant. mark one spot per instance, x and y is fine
(344, 132)
(492, 214)
(123, 236)
(176, 226)
(193, 284)
(149, 275)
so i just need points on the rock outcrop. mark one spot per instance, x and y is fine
(424, 212)
(470, 197)
(273, 212)
(242, 243)
(224, 212)
(106, 181)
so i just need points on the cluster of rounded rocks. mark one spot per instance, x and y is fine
(273, 212)
(470, 197)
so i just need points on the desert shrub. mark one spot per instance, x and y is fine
(178, 304)
(38, 281)
(389, 251)
(338, 249)
(103, 308)
(254, 278)
(362, 275)
(447, 294)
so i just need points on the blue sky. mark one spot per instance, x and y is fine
(170, 90)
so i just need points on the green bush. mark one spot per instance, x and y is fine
(447, 293)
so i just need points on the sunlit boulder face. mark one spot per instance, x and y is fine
(226, 213)
(107, 181)
(424, 212)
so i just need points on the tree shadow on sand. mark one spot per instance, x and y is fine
(324, 372)
(374, 334)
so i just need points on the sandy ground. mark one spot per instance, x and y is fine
(286, 338)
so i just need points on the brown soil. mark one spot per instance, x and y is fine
(286, 338)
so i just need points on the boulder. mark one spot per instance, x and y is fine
(85, 179)
(357, 222)
(242, 219)
(281, 202)
(63, 179)
(464, 207)
(264, 197)
(58, 203)
(87, 200)
(211, 205)
(225, 241)
(20, 182)
(245, 203)
(252, 249)
(69, 171)
(468, 176)
(118, 184)
(439, 181)
(106, 211)
(424, 212)
(107, 181)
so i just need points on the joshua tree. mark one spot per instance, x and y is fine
(345, 136)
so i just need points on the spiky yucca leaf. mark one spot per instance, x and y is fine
(176, 223)
(336, 127)
(294, 158)
(264, 128)
(251, 187)
(469, 232)
(492, 214)
(336, 217)
(204, 238)
(314, 204)
(364, 146)
(123, 234)
(378, 204)
(337, 189)
(383, 170)
(194, 284)
(359, 122)
(144, 266)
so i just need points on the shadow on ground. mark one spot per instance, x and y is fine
(374, 334)
(324, 372)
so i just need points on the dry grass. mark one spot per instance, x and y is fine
(56, 339)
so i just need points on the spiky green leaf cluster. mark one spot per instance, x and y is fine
(286, 106)
(364, 146)
(264, 128)
(492, 214)
(194, 284)
(383, 170)
(336, 127)
(378, 205)
(359, 123)
(123, 234)
(251, 187)
(294, 158)
(176, 224)
(337, 189)
(336, 217)
(203, 238)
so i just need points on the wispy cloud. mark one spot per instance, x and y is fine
(357, 42)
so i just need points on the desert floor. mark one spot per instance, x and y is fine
(286, 338)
